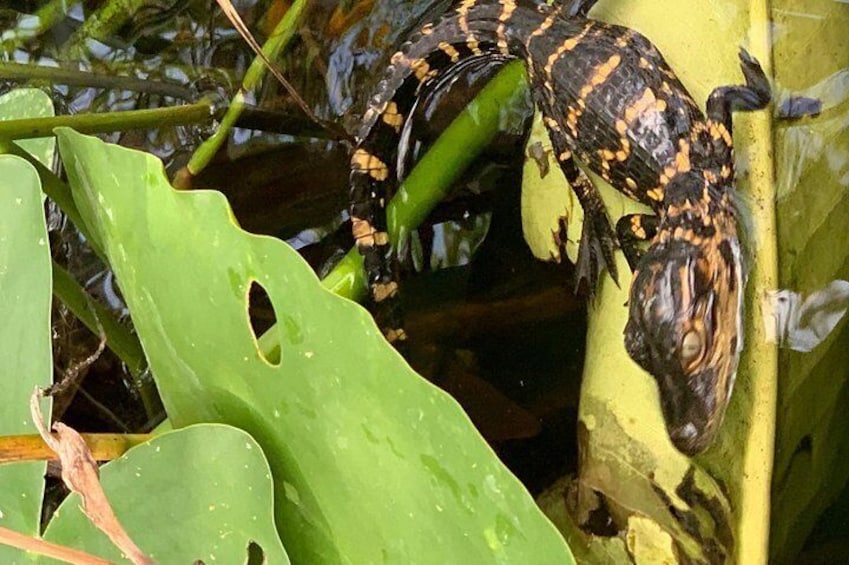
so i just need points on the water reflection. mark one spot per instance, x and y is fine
(803, 322)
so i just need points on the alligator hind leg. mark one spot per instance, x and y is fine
(598, 242)
(755, 95)
(632, 229)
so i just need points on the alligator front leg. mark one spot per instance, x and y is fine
(598, 242)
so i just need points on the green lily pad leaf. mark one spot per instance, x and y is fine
(25, 352)
(812, 172)
(30, 103)
(371, 463)
(206, 488)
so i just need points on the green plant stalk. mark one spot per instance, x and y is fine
(96, 316)
(279, 40)
(73, 77)
(103, 23)
(198, 113)
(432, 177)
(102, 322)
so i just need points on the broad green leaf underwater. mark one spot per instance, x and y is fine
(371, 463)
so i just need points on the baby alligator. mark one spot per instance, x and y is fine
(610, 101)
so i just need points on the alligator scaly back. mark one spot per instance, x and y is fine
(471, 29)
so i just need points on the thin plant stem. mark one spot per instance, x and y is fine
(17, 72)
(272, 49)
(198, 113)
(49, 549)
(103, 447)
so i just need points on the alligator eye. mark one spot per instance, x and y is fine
(691, 347)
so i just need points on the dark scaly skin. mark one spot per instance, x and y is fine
(611, 101)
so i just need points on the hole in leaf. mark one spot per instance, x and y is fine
(256, 556)
(261, 316)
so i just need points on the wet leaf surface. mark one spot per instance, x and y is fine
(203, 492)
(371, 462)
(25, 355)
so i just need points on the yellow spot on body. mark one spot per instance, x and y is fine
(719, 131)
(449, 50)
(546, 24)
(509, 6)
(682, 161)
(637, 228)
(572, 120)
(551, 123)
(567, 45)
(625, 38)
(631, 183)
(382, 291)
(668, 72)
(644, 63)
(399, 60)
(686, 291)
(381, 238)
(621, 127)
(660, 105)
(463, 20)
(421, 69)
(725, 172)
(656, 194)
(710, 176)
(621, 155)
(565, 156)
(392, 117)
(646, 101)
(427, 29)
(395, 334)
(607, 154)
(363, 232)
(362, 160)
(600, 75)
